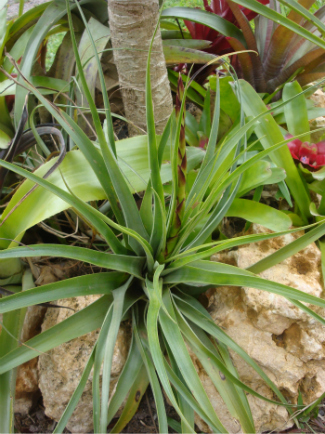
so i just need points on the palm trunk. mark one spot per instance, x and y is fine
(132, 24)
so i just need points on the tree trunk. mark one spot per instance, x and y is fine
(132, 24)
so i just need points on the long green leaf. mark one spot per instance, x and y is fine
(81, 179)
(155, 350)
(91, 214)
(288, 250)
(203, 175)
(80, 323)
(118, 305)
(192, 309)
(114, 176)
(259, 213)
(269, 134)
(183, 390)
(99, 356)
(12, 325)
(109, 121)
(213, 21)
(195, 44)
(126, 264)
(295, 111)
(53, 13)
(140, 334)
(226, 386)
(99, 283)
(158, 234)
(174, 54)
(301, 10)
(92, 154)
(137, 391)
(190, 255)
(213, 273)
(130, 372)
(184, 405)
(152, 141)
(3, 26)
(184, 362)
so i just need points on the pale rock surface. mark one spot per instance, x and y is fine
(61, 368)
(319, 100)
(27, 390)
(287, 343)
(27, 374)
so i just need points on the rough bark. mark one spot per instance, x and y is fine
(132, 24)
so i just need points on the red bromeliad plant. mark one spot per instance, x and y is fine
(219, 44)
(279, 47)
(281, 52)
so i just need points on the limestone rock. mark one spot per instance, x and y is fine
(319, 100)
(60, 369)
(287, 343)
(27, 390)
(27, 375)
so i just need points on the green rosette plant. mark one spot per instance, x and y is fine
(157, 262)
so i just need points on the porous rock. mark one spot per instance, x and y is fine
(60, 369)
(27, 390)
(318, 99)
(285, 341)
(27, 374)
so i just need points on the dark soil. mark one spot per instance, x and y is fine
(144, 421)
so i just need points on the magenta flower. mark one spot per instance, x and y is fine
(311, 154)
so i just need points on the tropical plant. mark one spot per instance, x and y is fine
(219, 44)
(287, 46)
(26, 39)
(302, 180)
(156, 269)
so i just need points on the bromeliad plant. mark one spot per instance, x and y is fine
(283, 53)
(157, 263)
(23, 38)
(221, 8)
(303, 180)
(287, 46)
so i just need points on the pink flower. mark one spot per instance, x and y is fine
(311, 154)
